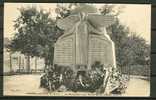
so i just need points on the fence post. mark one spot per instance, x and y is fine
(19, 62)
(35, 64)
(28, 64)
(10, 55)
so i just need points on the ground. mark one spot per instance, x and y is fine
(28, 85)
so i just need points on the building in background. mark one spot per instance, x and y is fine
(17, 62)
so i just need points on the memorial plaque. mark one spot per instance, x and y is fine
(84, 43)
(64, 52)
(99, 49)
(85, 40)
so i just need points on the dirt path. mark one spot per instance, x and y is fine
(23, 85)
(138, 87)
(28, 85)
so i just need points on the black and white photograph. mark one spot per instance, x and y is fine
(76, 49)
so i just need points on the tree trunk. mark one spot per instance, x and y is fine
(45, 64)
(19, 63)
(28, 64)
(129, 70)
(35, 64)
(23, 65)
(10, 63)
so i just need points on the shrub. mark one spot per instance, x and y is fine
(89, 80)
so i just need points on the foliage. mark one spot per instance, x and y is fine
(56, 76)
(34, 30)
(92, 79)
(111, 10)
(50, 79)
(35, 34)
(131, 49)
(140, 70)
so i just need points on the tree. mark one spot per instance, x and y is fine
(131, 49)
(35, 34)
(6, 46)
(125, 53)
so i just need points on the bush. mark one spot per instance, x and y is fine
(89, 80)
(141, 70)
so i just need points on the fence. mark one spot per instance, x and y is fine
(140, 70)
(16, 63)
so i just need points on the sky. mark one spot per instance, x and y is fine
(135, 16)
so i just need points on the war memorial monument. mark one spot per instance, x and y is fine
(87, 50)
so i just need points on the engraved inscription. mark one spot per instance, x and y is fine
(63, 52)
(97, 50)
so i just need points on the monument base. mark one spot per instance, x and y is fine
(92, 80)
